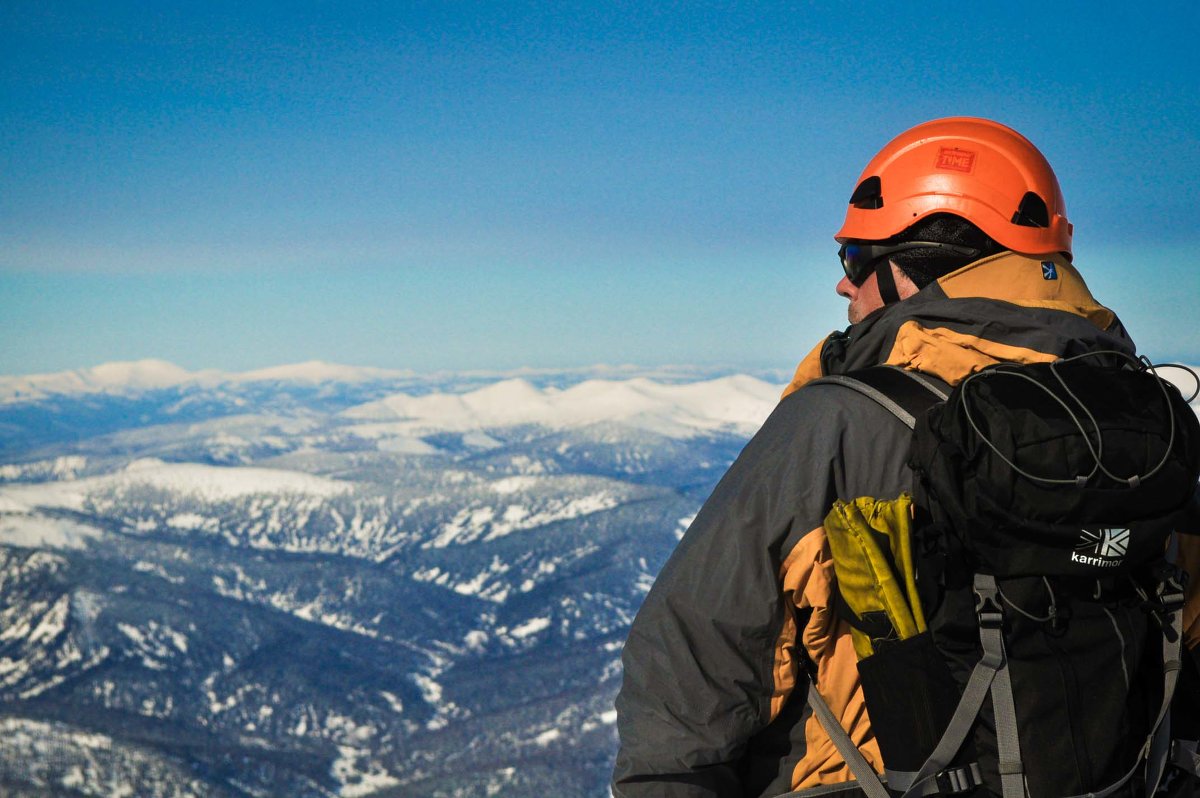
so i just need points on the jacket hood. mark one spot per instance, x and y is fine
(1007, 307)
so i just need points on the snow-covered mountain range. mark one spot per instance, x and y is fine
(132, 377)
(331, 581)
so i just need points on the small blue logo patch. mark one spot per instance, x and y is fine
(1049, 271)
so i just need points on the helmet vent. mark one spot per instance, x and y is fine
(1031, 212)
(869, 194)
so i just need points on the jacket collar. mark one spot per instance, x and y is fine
(1004, 308)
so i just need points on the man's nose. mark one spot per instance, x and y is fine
(846, 288)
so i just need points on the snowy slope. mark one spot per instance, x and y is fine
(233, 588)
(201, 482)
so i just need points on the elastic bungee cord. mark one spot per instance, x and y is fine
(1096, 450)
(1195, 377)
(1051, 609)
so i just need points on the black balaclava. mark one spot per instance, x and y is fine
(923, 266)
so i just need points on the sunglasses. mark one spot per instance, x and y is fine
(858, 260)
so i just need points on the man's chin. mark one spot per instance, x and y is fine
(856, 315)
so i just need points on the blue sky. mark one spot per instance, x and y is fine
(495, 185)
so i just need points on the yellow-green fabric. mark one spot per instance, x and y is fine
(871, 543)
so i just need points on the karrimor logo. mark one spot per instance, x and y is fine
(1102, 548)
(956, 159)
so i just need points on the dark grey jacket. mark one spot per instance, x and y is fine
(718, 659)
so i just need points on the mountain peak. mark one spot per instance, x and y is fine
(147, 373)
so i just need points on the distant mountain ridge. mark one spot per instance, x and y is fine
(736, 402)
(126, 377)
(152, 374)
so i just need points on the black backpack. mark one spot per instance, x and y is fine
(1047, 503)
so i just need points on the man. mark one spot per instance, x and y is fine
(957, 255)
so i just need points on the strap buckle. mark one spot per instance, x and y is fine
(1185, 754)
(1171, 591)
(953, 781)
(988, 610)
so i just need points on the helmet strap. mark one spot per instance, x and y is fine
(887, 283)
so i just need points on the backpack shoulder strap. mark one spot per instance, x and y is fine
(905, 394)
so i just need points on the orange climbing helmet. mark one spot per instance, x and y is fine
(987, 173)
